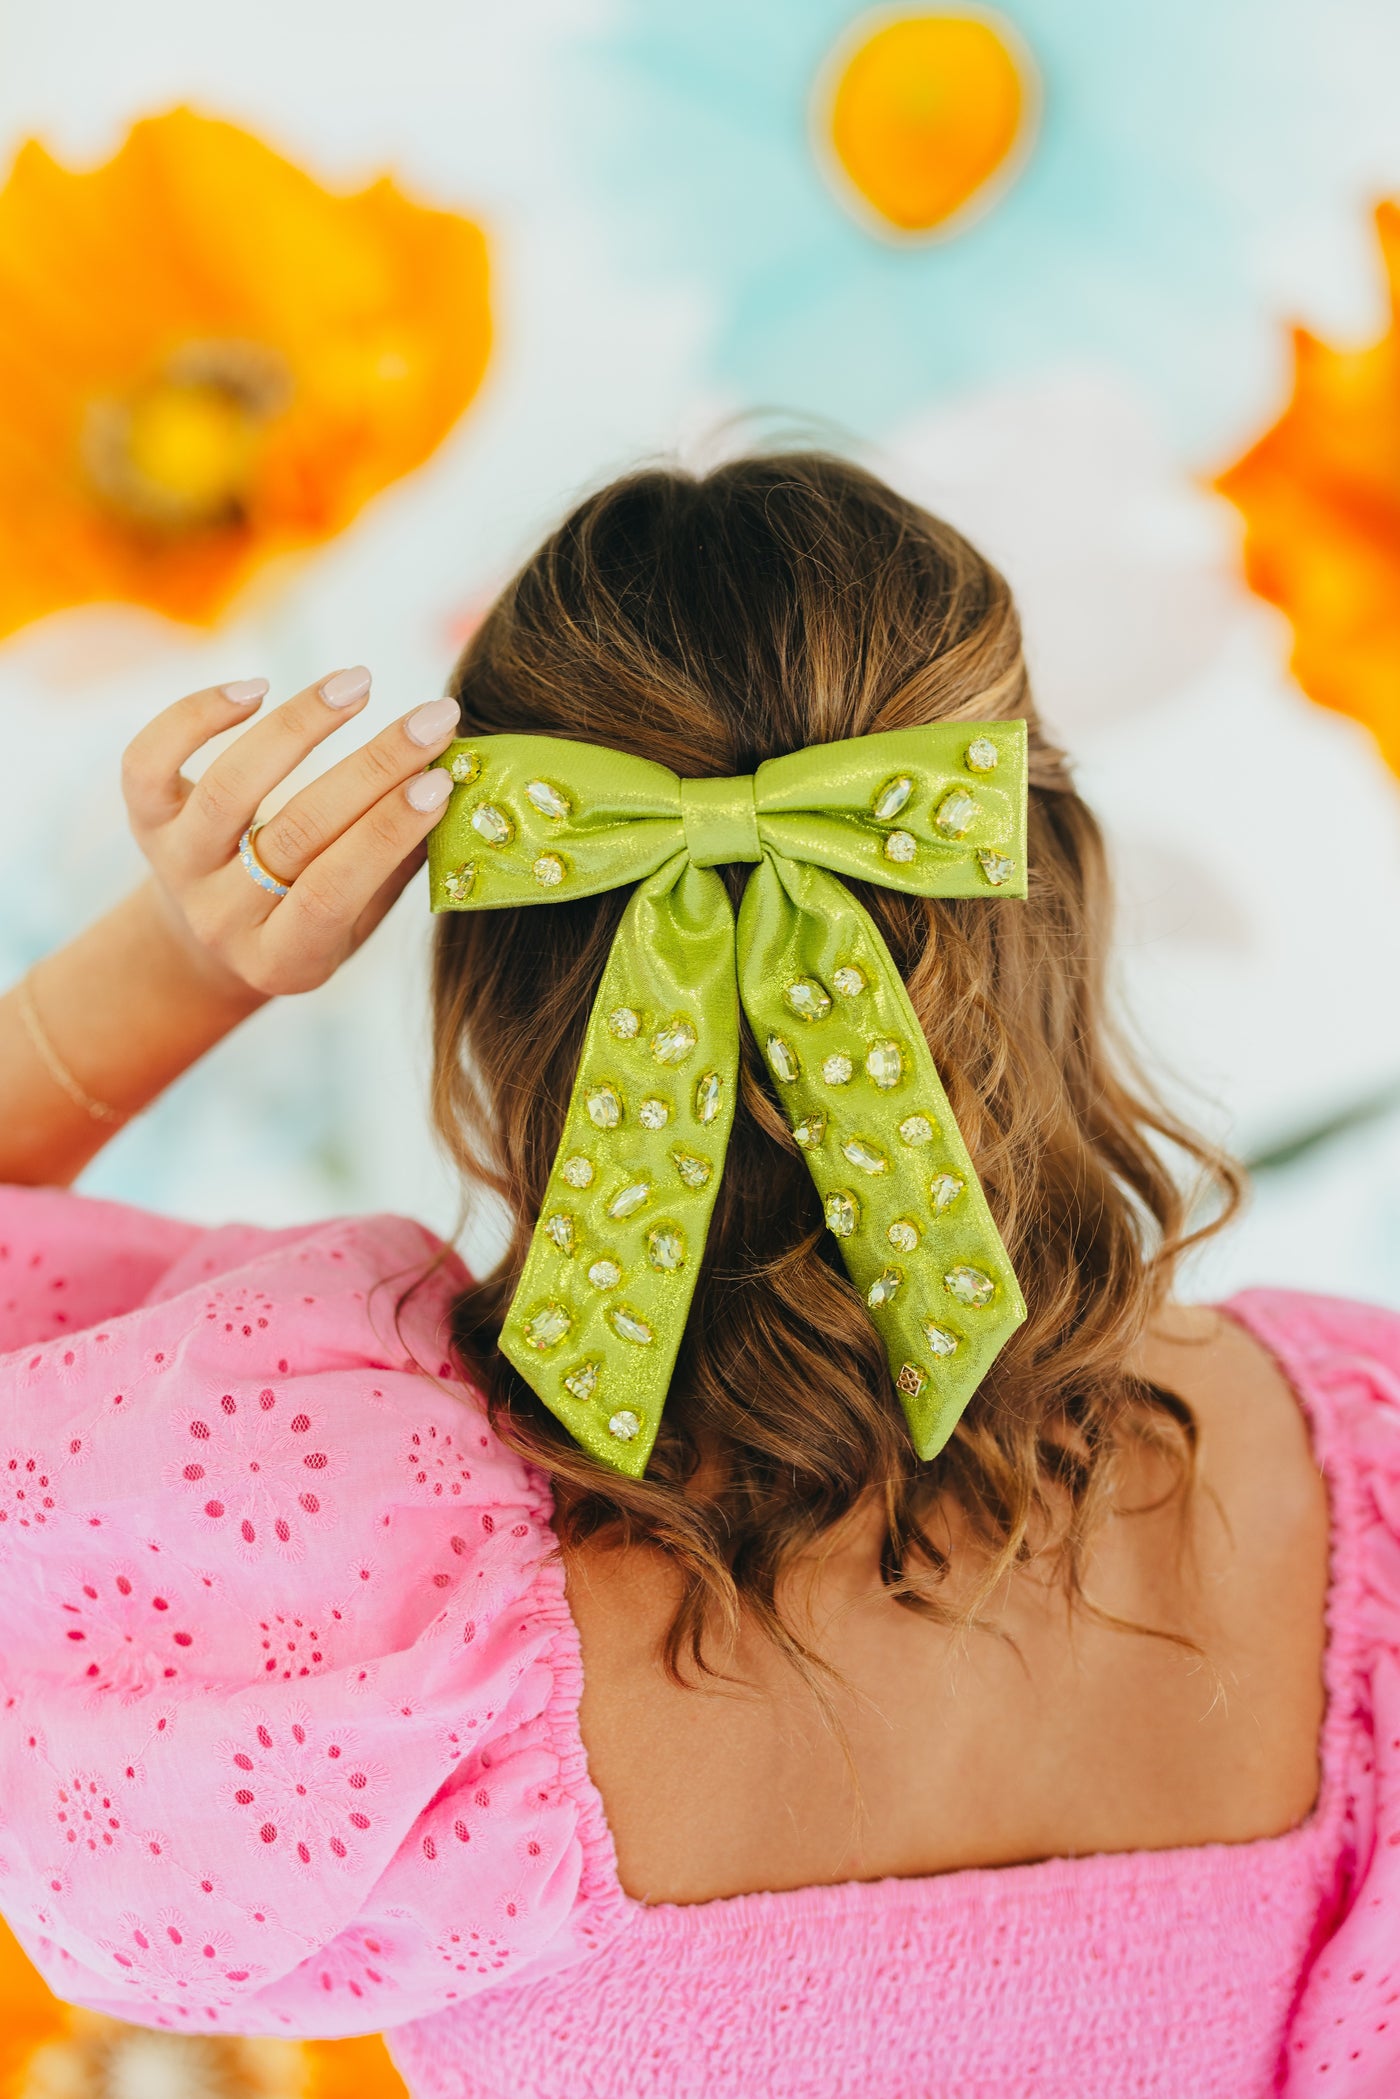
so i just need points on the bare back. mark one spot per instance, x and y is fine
(1071, 1737)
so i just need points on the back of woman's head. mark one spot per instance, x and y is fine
(710, 622)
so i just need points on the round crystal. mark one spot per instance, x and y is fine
(807, 999)
(903, 1234)
(944, 1190)
(883, 1288)
(630, 1326)
(654, 1114)
(604, 1275)
(911, 1380)
(666, 1246)
(916, 1129)
(842, 1213)
(464, 767)
(891, 798)
(548, 1327)
(577, 1171)
(624, 1425)
(673, 1043)
(458, 884)
(631, 1198)
(548, 870)
(864, 1156)
(850, 982)
(941, 1339)
(901, 846)
(955, 812)
(604, 1106)
(783, 1059)
(692, 1170)
(884, 1065)
(996, 867)
(548, 800)
(583, 1382)
(707, 1096)
(492, 824)
(560, 1228)
(810, 1131)
(981, 755)
(624, 1022)
(837, 1070)
(969, 1285)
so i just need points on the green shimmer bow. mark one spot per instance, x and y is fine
(598, 1317)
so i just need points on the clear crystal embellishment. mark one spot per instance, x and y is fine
(941, 1339)
(561, 1230)
(783, 1059)
(944, 1190)
(903, 1234)
(458, 884)
(901, 846)
(809, 1132)
(654, 1114)
(850, 982)
(464, 767)
(624, 1425)
(630, 1326)
(692, 1170)
(666, 1247)
(955, 812)
(916, 1129)
(842, 1213)
(707, 1096)
(806, 998)
(548, 800)
(577, 1171)
(996, 867)
(673, 1043)
(864, 1156)
(883, 1288)
(981, 755)
(492, 824)
(630, 1199)
(548, 870)
(891, 799)
(837, 1069)
(911, 1380)
(604, 1106)
(604, 1275)
(969, 1285)
(583, 1382)
(548, 1327)
(624, 1023)
(884, 1065)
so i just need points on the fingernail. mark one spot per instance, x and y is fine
(345, 687)
(429, 790)
(243, 691)
(433, 723)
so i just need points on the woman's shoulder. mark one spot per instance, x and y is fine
(282, 1629)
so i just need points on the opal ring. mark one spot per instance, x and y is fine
(248, 854)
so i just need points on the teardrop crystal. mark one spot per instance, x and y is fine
(955, 812)
(941, 1339)
(458, 885)
(809, 1132)
(883, 1288)
(630, 1199)
(996, 867)
(630, 1326)
(492, 824)
(673, 1043)
(807, 999)
(583, 1382)
(891, 798)
(560, 1228)
(604, 1106)
(884, 1065)
(944, 1190)
(464, 767)
(548, 1327)
(707, 1096)
(666, 1247)
(547, 799)
(842, 1213)
(783, 1059)
(695, 1172)
(969, 1285)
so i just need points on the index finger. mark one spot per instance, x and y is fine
(154, 787)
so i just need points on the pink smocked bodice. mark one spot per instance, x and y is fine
(290, 1735)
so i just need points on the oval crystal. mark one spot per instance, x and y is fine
(955, 812)
(548, 870)
(837, 1070)
(464, 767)
(707, 1096)
(666, 1247)
(783, 1059)
(850, 982)
(891, 798)
(624, 1022)
(604, 1275)
(630, 1199)
(842, 1213)
(560, 1228)
(884, 1065)
(809, 1132)
(695, 1172)
(916, 1129)
(577, 1170)
(996, 867)
(492, 824)
(654, 1114)
(673, 1043)
(981, 755)
(883, 1288)
(944, 1190)
(901, 846)
(624, 1425)
(604, 1107)
(807, 999)
(630, 1326)
(941, 1339)
(548, 800)
(969, 1285)
(547, 1327)
(583, 1382)
(903, 1234)
(864, 1156)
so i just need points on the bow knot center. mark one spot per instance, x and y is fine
(721, 821)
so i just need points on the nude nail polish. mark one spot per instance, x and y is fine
(243, 691)
(433, 723)
(429, 790)
(343, 688)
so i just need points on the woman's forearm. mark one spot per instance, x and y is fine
(123, 1009)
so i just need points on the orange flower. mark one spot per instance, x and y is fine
(207, 361)
(1320, 493)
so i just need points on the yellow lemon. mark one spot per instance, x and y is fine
(922, 120)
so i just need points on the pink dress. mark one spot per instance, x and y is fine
(290, 1736)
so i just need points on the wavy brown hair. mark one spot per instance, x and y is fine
(711, 622)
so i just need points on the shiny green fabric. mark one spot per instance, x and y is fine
(600, 1311)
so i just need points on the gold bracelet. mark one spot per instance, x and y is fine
(58, 1071)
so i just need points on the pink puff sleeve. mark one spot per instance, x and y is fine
(288, 1686)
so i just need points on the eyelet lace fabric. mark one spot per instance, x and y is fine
(289, 1741)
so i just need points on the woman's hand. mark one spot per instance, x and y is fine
(346, 844)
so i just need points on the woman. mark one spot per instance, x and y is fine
(367, 1666)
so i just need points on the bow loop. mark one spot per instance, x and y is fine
(601, 1306)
